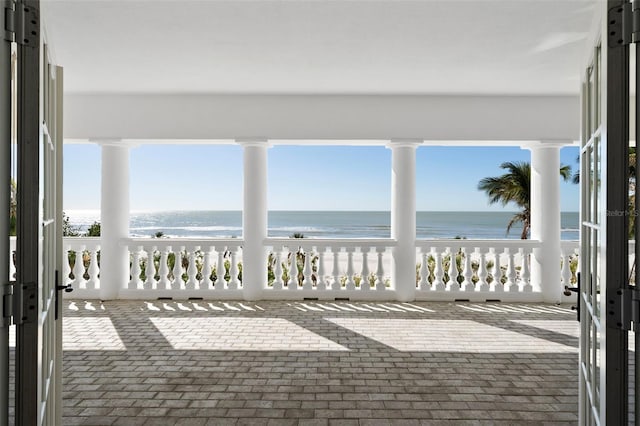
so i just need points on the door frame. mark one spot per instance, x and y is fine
(39, 158)
(605, 260)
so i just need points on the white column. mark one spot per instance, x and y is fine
(403, 217)
(254, 218)
(114, 219)
(545, 220)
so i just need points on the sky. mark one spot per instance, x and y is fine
(209, 177)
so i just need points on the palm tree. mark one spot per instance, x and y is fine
(515, 187)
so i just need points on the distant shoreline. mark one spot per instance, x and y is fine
(324, 224)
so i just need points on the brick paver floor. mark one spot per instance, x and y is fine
(318, 363)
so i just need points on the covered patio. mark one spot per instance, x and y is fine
(260, 330)
(261, 74)
(318, 363)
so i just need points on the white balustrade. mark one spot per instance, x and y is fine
(474, 269)
(81, 260)
(317, 268)
(183, 268)
(348, 261)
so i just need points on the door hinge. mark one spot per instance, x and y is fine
(21, 23)
(19, 303)
(624, 310)
(7, 304)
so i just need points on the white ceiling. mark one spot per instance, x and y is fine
(318, 47)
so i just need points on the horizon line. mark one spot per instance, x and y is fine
(135, 211)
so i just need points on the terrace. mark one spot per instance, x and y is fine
(318, 363)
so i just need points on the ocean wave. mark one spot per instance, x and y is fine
(187, 228)
(301, 229)
(190, 236)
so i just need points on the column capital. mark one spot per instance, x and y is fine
(404, 143)
(257, 142)
(109, 142)
(548, 144)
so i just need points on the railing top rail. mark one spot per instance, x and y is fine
(188, 242)
(76, 241)
(331, 242)
(458, 243)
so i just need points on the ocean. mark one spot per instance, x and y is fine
(323, 224)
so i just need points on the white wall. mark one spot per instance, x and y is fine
(477, 118)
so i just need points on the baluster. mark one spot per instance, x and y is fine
(177, 282)
(293, 269)
(364, 282)
(496, 284)
(278, 284)
(453, 284)
(467, 284)
(576, 253)
(482, 270)
(192, 269)
(566, 270)
(380, 286)
(66, 268)
(438, 284)
(424, 271)
(163, 269)
(234, 282)
(524, 272)
(134, 270)
(336, 284)
(351, 285)
(511, 284)
(220, 270)
(150, 271)
(307, 270)
(78, 269)
(206, 282)
(320, 281)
